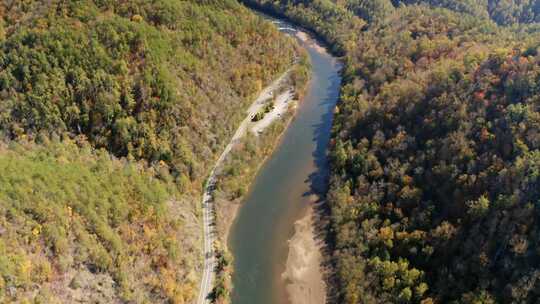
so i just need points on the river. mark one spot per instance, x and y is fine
(281, 192)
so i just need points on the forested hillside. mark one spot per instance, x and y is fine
(332, 18)
(435, 152)
(432, 171)
(333, 24)
(503, 12)
(111, 114)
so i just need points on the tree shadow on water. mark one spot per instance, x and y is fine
(318, 185)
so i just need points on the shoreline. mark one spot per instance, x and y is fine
(216, 257)
(284, 93)
(303, 275)
(232, 208)
(227, 215)
(305, 37)
(305, 279)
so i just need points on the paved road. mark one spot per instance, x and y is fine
(208, 209)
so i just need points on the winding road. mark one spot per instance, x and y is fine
(208, 209)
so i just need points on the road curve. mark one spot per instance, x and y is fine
(208, 209)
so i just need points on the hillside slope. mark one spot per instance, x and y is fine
(111, 114)
(431, 170)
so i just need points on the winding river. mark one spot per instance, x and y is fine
(282, 190)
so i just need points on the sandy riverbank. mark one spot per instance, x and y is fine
(303, 278)
(303, 274)
(303, 36)
(284, 102)
(209, 209)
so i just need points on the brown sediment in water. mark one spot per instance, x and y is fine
(303, 274)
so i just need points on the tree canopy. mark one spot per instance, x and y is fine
(434, 187)
(111, 115)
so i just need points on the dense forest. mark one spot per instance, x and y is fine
(503, 12)
(435, 149)
(107, 127)
(111, 115)
(432, 171)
